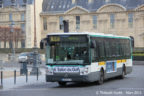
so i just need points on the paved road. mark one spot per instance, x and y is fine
(132, 85)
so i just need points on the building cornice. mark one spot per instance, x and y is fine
(57, 14)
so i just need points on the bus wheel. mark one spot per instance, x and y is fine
(123, 73)
(62, 83)
(101, 79)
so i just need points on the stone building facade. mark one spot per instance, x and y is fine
(11, 17)
(20, 14)
(118, 17)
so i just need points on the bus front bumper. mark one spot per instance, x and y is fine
(73, 78)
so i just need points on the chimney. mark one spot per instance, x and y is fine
(66, 26)
(73, 1)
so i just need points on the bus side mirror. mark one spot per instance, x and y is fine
(43, 42)
(93, 44)
(66, 26)
(41, 45)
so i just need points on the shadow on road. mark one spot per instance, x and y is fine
(86, 84)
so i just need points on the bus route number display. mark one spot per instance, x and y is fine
(67, 39)
(54, 39)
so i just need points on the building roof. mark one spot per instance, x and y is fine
(54, 6)
(7, 3)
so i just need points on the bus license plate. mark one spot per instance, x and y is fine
(66, 79)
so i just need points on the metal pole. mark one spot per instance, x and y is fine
(12, 32)
(37, 74)
(1, 78)
(26, 75)
(14, 76)
(35, 39)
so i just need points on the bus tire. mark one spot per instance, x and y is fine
(101, 79)
(122, 76)
(62, 83)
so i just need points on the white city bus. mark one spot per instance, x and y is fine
(86, 57)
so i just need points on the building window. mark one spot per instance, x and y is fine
(61, 25)
(16, 44)
(130, 20)
(44, 23)
(0, 44)
(22, 43)
(13, 1)
(10, 17)
(94, 22)
(77, 22)
(22, 17)
(112, 20)
(1, 3)
(24, 1)
(23, 28)
(10, 44)
(5, 44)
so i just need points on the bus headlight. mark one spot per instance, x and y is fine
(84, 71)
(49, 71)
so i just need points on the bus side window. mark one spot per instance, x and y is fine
(128, 52)
(122, 49)
(107, 49)
(92, 55)
(118, 49)
(101, 49)
(113, 48)
(94, 52)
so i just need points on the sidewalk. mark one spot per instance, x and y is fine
(8, 83)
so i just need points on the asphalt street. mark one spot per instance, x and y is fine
(131, 85)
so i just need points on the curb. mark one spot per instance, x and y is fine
(138, 62)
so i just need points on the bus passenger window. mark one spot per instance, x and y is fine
(101, 49)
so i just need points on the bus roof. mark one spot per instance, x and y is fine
(91, 34)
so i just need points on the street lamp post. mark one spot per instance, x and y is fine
(12, 31)
(35, 70)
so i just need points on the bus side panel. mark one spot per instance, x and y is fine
(116, 72)
(119, 68)
(95, 70)
(129, 65)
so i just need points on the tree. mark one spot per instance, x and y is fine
(12, 37)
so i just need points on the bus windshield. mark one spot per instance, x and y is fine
(68, 53)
